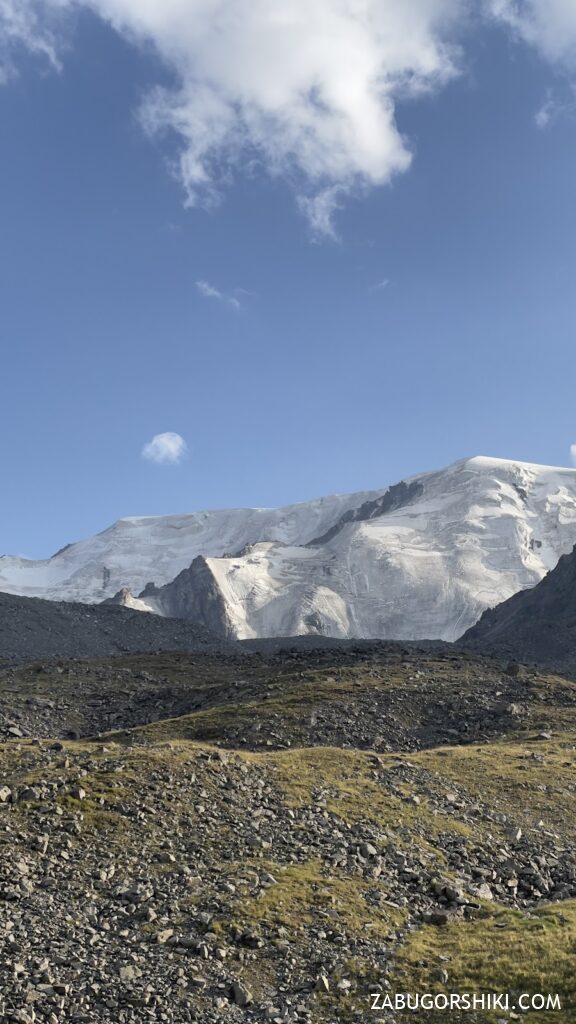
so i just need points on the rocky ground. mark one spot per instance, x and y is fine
(382, 697)
(31, 628)
(274, 835)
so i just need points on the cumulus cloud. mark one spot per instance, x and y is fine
(168, 448)
(210, 292)
(305, 89)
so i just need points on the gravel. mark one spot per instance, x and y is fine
(31, 628)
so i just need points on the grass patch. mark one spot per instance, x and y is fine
(304, 902)
(500, 951)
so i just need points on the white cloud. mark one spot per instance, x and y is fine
(24, 23)
(304, 89)
(168, 448)
(547, 113)
(573, 453)
(549, 25)
(320, 210)
(210, 292)
(381, 285)
(556, 106)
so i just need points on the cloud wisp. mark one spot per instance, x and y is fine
(381, 286)
(305, 90)
(210, 292)
(573, 454)
(24, 23)
(555, 107)
(548, 25)
(165, 449)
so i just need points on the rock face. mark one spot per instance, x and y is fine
(420, 559)
(31, 629)
(194, 594)
(537, 625)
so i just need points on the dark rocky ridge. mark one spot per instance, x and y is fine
(31, 628)
(534, 626)
(396, 497)
(194, 594)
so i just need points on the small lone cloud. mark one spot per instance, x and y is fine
(381, 285)
(210, 292)
(573, 454)
(167, 449)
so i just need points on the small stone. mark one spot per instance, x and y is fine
(484, 892)
(368, 850)
(441, 975)
(27, 794)
(241, 995)
(440, 918)
(127, 973)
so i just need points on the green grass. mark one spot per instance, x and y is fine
(499, 951)
(303, 897)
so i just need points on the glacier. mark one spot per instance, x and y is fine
(419, 560)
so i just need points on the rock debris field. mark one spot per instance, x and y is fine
(274, 834)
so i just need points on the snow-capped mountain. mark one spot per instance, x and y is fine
(421, 559)
(140, 550)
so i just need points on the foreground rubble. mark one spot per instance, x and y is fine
(147, 878)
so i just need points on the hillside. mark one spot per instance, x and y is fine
(34, 629)
(538, 625)
(179, 871)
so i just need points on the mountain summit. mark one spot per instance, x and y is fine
(423, 558)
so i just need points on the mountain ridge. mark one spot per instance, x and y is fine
(536, 625)
(422, 558)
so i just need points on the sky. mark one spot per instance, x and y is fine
(252, 254)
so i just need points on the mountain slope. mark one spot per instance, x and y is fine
(32, 629)
(538, 625)
(136, 551)
(421, 559)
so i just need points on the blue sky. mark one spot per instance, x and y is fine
(429, 318)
